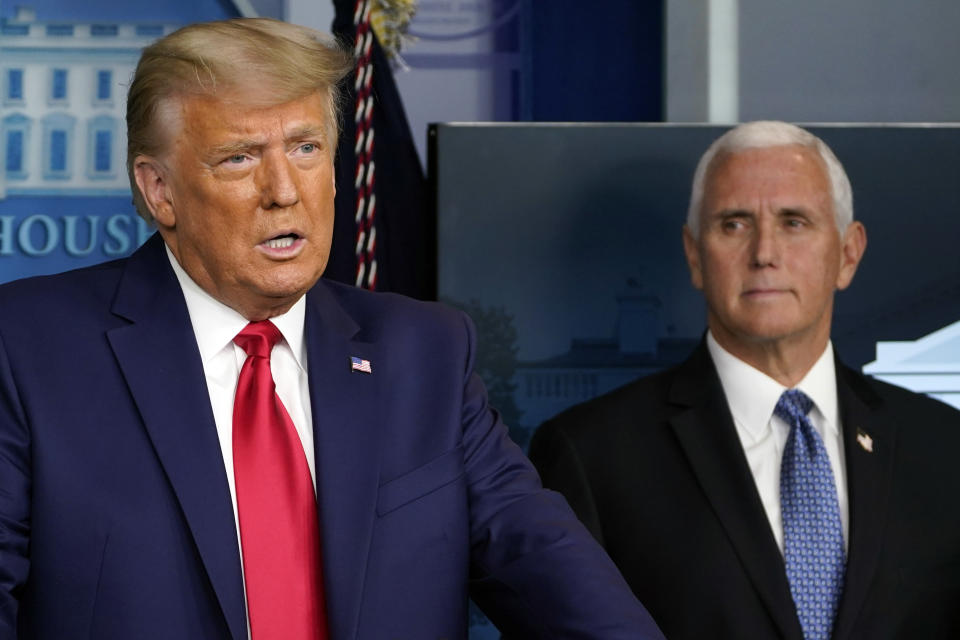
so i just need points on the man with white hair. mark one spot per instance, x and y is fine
(761, 489)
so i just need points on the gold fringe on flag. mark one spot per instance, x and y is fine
(390, 19)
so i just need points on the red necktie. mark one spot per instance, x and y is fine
(276, 505)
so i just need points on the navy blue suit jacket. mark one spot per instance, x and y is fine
(115, 513)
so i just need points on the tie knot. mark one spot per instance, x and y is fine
(793, 405)
(258, 338)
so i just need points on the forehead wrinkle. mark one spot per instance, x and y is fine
(296, 132)
(247, 142)
(751, 177)
(257, 128)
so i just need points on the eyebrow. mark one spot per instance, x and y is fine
(794, 211)
(235, 147)
(742, 213)
(307, 131)
(244, 144)
(731, 213)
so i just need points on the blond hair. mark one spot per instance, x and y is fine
(267, 62)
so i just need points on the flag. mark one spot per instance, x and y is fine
(359, 364)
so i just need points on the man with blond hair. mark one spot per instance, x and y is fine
(206, 441)
(761, 489)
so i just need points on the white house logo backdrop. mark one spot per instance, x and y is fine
(64, 196)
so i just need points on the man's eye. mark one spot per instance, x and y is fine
(236, 158)
(308, 147)
(732, 225)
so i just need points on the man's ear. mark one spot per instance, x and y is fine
(692, 251)
(151, 178)
(853, 243)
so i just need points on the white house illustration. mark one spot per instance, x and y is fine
(930, 365)
(594, 366)
(63, 102)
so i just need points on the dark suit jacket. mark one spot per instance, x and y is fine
(656, 471)
(115, 514)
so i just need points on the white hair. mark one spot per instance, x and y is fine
(763, 134)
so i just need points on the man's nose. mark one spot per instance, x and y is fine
(765, 247)
(278, 185)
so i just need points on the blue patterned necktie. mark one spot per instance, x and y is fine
(812, 535)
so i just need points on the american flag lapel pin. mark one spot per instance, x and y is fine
(865, 440)
(360, 364)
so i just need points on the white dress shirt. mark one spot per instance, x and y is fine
(752, 396)
(215, 325)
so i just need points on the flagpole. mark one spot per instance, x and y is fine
(245, 9)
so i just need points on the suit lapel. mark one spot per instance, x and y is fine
(348, 409)
(705, 430)
(157, 353)
(869, 476)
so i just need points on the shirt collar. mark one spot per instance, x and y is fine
(820, 384)
(215, 324)
(752, 395)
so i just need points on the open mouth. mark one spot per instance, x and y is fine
(282, 242)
